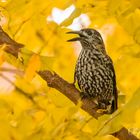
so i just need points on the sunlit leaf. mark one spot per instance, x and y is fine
(46, 62)
(35, 111)
(135, 3)
(136, 35)
(109, 124)
(70, 19)
(131, 107)
(113, 6)
(24, 86)
(33, 66)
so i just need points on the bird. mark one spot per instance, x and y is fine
(94, 71)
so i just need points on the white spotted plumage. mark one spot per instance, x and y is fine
(94, 70)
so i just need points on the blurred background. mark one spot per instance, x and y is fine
(32, 111)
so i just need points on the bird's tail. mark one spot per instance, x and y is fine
(114, 106)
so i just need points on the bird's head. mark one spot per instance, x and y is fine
(89, 38)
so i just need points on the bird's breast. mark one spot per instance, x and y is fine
(91, 73)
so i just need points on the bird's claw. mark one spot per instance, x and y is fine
(104, 109)
(101, 111)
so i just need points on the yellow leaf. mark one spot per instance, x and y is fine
(136, 35)
(109, 124)
(137, 118)
(24, 85)
(136, 3)
(39, 116)
(113, 5)
(33, 66)
(70, 19)
(131, 107)
(1, 57)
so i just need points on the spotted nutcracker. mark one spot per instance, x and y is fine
(94, 71)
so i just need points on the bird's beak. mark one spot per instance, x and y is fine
(76, 38)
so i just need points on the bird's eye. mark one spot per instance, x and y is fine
(89, 32)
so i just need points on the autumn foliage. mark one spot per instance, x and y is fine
(33, 38)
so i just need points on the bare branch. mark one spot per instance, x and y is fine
(55, 81)
(10, 45)
(69, 90)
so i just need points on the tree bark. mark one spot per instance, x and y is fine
(55, 81)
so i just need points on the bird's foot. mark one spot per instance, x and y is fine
(109, 110)
(104, 109)
(101, 111)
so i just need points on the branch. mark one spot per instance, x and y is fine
(55, 81)
(9, 45)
